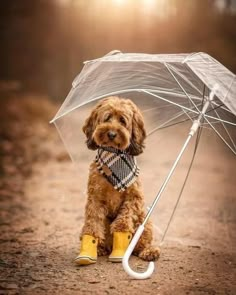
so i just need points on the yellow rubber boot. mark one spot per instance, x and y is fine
(120, 244)
(88, 251)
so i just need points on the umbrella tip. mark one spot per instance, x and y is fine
(113, 52)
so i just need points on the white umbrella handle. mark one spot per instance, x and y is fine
(125, 261)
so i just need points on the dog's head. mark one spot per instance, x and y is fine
(118, 123)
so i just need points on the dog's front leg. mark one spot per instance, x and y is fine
(129, 213)
(93, 232)
(125, 224)
(95, 216)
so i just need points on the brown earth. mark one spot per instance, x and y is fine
(41, 213)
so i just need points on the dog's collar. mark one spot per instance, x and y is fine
(117, 166)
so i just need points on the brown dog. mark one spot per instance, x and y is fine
(115, 204)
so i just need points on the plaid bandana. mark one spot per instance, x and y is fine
(119, 168)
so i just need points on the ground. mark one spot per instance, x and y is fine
(41, 213)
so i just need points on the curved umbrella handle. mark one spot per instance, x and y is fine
(125, 261)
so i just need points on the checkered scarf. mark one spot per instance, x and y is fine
(118, 167)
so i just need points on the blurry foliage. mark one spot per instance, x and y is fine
(44, 42)
(24, 140)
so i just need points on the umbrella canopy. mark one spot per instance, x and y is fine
(178, 75)
(182, 80)
(168, 88)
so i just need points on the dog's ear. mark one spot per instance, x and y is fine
(90, 124)
(138, 133)
(88, 129)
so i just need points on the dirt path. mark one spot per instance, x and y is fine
(41, 212)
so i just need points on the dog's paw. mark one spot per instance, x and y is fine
(149, 254)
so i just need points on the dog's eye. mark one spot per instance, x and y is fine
(123, 121)
(107, 118)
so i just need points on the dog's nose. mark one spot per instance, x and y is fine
(111, 134)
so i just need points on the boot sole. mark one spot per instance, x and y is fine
(115, 259)
(85, 260)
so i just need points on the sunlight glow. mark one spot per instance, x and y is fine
(155, 8)
(158, 8)
(149, 3)
(119, 2)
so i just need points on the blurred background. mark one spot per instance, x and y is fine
(43, 46)
(44, 42)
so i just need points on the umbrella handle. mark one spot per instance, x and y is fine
(125, 261)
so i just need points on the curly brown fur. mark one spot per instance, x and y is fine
(107, 210)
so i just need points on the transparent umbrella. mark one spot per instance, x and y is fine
(190, 90)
